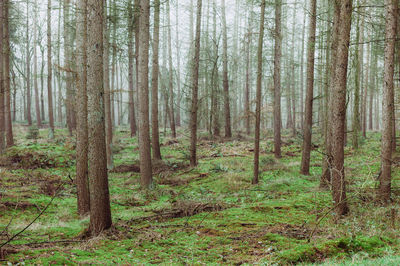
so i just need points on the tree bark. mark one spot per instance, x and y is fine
(107, 90)
(82, 182)
(277, 79)
(339, 110)
(308, 119)
(258, 96)
(100, 213)
(132, 117)
(144, 128)
(228, 127)
(49, 72)
(155, 138)
(28, 70)
(195, 88)
(7, 81)
(2, 81)
(171, 89)
(388, 100)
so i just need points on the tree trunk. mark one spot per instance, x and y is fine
(7, 81)
(195, 88)
(338, 110)
(49, 72)
(107, 90)
(144, 128)
(258, 96)
(357, 79)
(82, 182)
(35, 71)
(178, 70)
(28, 70)
(305, 159)
(171, 89)
(388, 106)
(366, 86)
(155, 138)
(132, 117)
(100, 212)
(2, 81)
(228, 127)
(277, 79)
(69, 105)
(327, 160)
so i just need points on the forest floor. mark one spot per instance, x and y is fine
(205, 215)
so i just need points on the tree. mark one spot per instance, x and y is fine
(171, 89)
(2, 107)
(107, 90)
(338, 109)
(277, 78)
(146, 178)
(195, 88)
(68, 43)
(35, 72)
(155, 138)
(308, 116)
(7, 85)
(100, 212)
(258, 95)
(50, 73)
(28, 69)
(132, 117)
(228, 130)
(82, 182)
(388, 102)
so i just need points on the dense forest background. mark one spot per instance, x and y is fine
(246, 131)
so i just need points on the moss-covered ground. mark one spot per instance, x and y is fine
(207, 215)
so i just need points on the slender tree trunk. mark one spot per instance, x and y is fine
(132, 117)
(247, 85)
(60, 98)
(171, 89)
(107, 90)
(28, 70)
(178, 70)
(100, 212)
(67, 65)
(82, 182)
(305, 159)
(7, 81)
(49, 72)
(365, 95)
(2, 81)
(144, 128)
(35, 72)
(339, 110)
(228, 127)
(277, 79)
(357, 79)
(388, 106)
(195, 88)
(293, 77)
(155, 138)
(302, 74)
(258, 96)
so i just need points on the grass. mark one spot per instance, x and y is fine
(270, 223)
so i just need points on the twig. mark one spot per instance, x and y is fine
(34, 220)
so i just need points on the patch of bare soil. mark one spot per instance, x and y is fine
(126, 168)
(182, 209)
(22, 205)
(25, 159)
(178, 181)
(158, 167)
